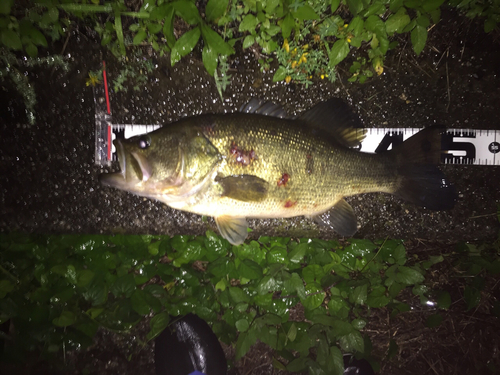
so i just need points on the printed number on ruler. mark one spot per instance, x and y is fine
(460, 146)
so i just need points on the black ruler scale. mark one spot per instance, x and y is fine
(460, 146)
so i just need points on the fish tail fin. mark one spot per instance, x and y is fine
(421, 182)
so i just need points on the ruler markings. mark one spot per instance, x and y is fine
(460, 146)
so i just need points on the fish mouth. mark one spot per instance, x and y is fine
(134, 168)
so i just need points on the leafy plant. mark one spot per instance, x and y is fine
(58, 290)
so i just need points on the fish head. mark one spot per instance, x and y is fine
(168, 164)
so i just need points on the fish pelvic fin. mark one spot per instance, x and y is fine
(421, 182)
(233, 229)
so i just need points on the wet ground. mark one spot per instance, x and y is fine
(49, 181)
(50, 184)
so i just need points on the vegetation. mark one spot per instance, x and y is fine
(309, 38)
(56, 291)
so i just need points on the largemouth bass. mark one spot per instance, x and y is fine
(260, 164)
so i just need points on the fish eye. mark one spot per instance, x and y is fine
(144, 142)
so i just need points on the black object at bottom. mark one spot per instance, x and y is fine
(353, 366)
(186, 345)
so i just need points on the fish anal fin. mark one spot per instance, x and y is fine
(245, 188)
(233, 229)
(340, 218)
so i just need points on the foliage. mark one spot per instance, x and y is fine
(58, 290)
(315, 36)
(10, 68)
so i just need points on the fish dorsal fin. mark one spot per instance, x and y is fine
(263, 107)
(335, 120)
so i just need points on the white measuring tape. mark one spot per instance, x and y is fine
(460, 146)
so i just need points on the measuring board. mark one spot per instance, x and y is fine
(459, 146)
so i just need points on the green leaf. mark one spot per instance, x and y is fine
(444, 300)
(139, 37)
(250, 270)
(248, 23)
(434, 320)
(359, 323)
(295, 284)
(404, 275)
(215, 245)
(375, 25)
(356, 25)
(10, 39)
(430, 5)
(267, 284)
(66, 319)
(184, 45)
(242, 325)
(312, 272)
(298, 253)
(334, 5)
(292, 333)
(314, 296)
(306, 13)
(187, 11)
(5, 6)
(336, 364)
(355, 6)
(245, 341)
(53, 14)
(31, 50)
(472, 297)
(238, 295)
(286, 28)
(139, 303)
(353, 342)
(215, 9)
(157, 325)
(280, 74)
(84, 277)
(418, 38)
(124, 285)
(338, 52)
(394, 5)
(393, 349)
(423, 21)
(359, 295)
(298, 364)
(119, 32)
(397, 22)
(210, 59)
(248, 41)
(489, 25)
(6, 287)
(154, 28)
(215, 41)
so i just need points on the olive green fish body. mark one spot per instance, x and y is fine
(243, 165)
(303, 174)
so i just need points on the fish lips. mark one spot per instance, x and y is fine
(134, 168)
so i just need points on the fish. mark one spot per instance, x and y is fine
(259, 162)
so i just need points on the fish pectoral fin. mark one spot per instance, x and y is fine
(340, 218)
(245, 188)
(233, 229)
